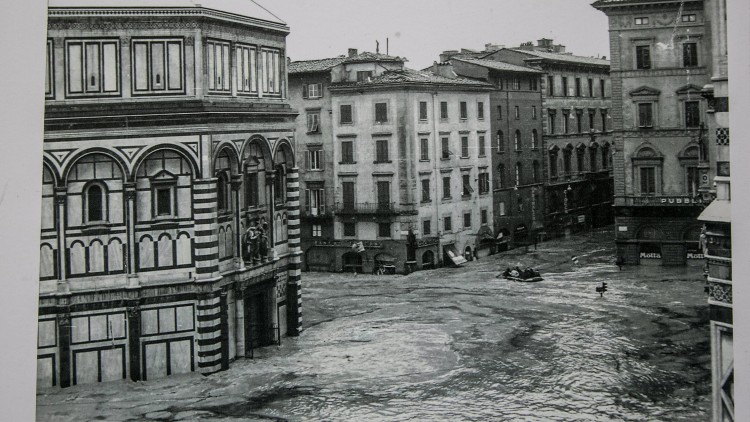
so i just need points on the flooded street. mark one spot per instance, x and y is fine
(457, 344)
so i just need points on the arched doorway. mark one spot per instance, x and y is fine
(352, 262)
(428, 260)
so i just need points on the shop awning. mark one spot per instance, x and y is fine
(450, 252)
(718, 211)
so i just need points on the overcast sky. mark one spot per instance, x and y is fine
(421, 29)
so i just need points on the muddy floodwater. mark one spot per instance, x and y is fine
(457, 344)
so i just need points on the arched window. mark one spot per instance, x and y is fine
(500, 141)
(580, 159)
(534, 139)
(518, 174)
(553, 162)
(95, 203)
(537, 172)
(517, 140)
(280, 184)
(567, 156)
(592, 158)
(605, 157)
(222, 192)
(501, 175)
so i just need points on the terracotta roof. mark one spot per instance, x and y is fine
(562, 57)
(245, 8)
(321, 65)
(497, 65)
(410, 76)
(309, 66)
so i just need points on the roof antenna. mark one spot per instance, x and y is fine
(377, 47)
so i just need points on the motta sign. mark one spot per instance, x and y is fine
(650, 255)
(692, 255)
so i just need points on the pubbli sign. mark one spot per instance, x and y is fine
(667, 200)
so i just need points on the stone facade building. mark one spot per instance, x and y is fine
(410, 156)
(661, 59)
(167, 134)
(576, 101)
(516, 125)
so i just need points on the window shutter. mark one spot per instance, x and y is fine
(304, 90)
(321, 159)
(320, 90)
(307, 160)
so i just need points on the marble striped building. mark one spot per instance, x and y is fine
(168, 133)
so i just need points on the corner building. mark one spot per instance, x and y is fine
(517, 146)
(410, 155)
(167, 134)
(661, 59)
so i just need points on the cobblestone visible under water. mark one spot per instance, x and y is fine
(457, 344)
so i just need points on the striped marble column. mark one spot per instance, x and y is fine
(294, 288)
(206, 245)
(209, 319)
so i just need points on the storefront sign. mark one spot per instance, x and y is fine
(581, 218)
(622, 228)
(692, 255)
(650, 255)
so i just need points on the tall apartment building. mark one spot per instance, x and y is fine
(576, 101)
(516, 125)
(410, 154)
(717, 246)
(661, 59)
(168, 133)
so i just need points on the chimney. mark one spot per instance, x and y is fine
(604, 57)
(447, 54)
(559, 48)
(544, 42)
(493, 47)
(443, 69)
(352, 52)
(528, 46)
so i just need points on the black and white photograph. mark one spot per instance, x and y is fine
(339, 210)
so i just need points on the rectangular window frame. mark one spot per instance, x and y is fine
(423, 111)
(347, 153)
(463, 110)
(443, 110)
(246, 59)
(464, 147)
(645, 113)
(99, 87)
(349, 114)
(49, 81)
(313, 121)
(690, 54)
(424, 149)
(218, 78)
(643, 57)
(380, 109)
(381, 151)
(270, 72)
(151, 89)
(480, 110)
(692, 117)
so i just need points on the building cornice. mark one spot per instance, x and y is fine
(163, 12)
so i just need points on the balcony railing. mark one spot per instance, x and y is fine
(321, 211)
(662, 201)
(376, 208)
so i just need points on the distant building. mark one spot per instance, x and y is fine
(409, 153)
(516, 125)
(661, 59)
(574, 114)
(167, 134)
